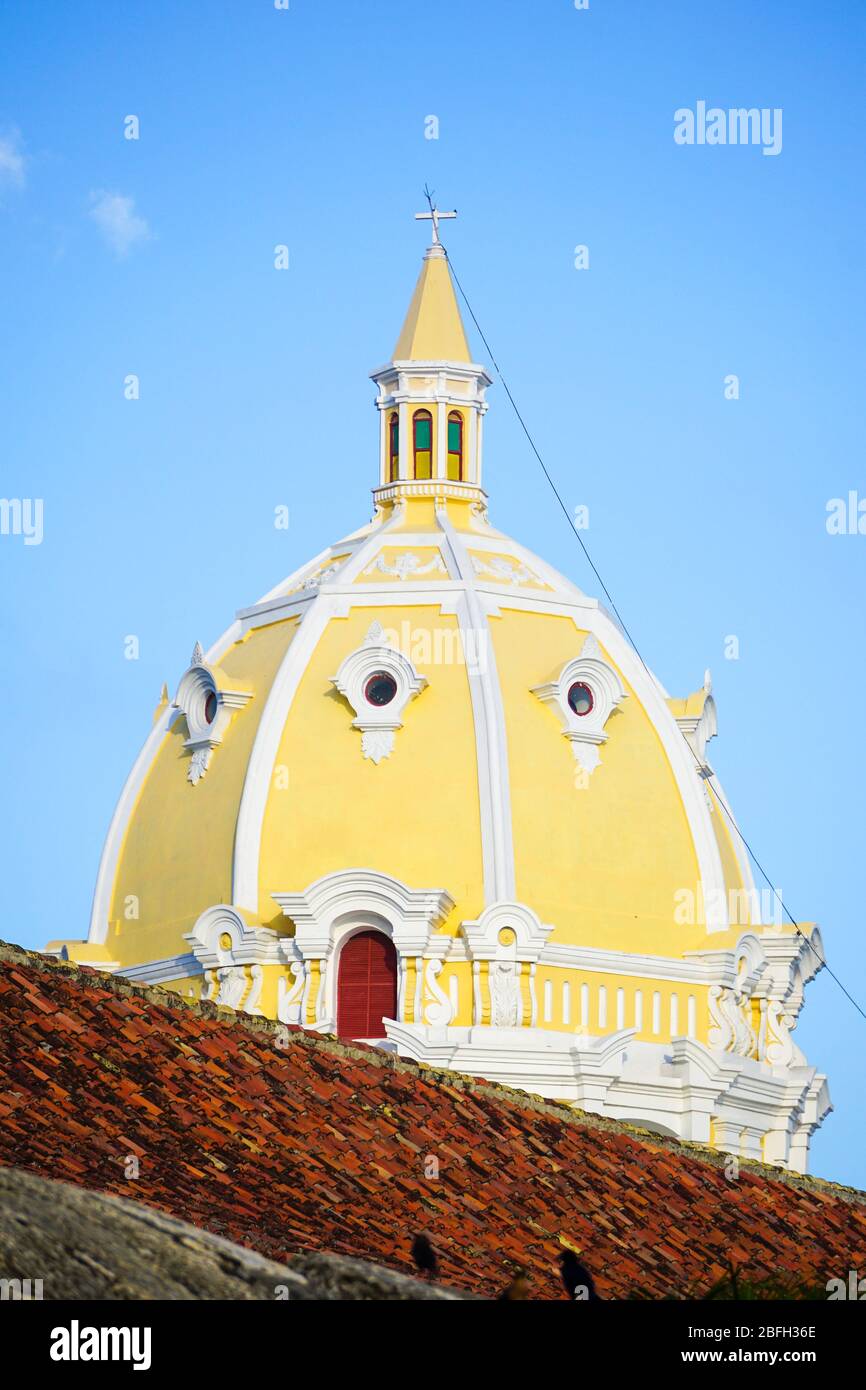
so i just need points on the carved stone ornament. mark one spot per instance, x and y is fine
(407, 566)
(731, 1029)
(504, 571)
(232, 985)
(378, 723)
(231, 954)
(439, 1010)
(290, 995)
(504, 993)
(585, 732)
(780, 1049)
(208, 710)
(323, 575)
(698, 729)
(511, 938)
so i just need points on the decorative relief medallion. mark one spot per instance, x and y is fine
(328, 571)
(407, 566)
(505, 570)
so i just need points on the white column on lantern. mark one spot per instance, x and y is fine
(405, 441)
(384, 432)
(440, 469)
(472, 464)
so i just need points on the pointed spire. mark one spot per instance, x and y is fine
(431, 398)
(433, 330)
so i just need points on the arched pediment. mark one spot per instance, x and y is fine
(351, 894)
(484, 936)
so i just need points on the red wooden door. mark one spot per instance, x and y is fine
(366, 985)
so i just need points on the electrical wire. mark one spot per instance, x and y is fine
(705, 771)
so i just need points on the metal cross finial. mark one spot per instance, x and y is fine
(434, 216)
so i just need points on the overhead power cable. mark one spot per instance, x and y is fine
(706, 772)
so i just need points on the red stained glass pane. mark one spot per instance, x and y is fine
(380, 689)
(580, 698)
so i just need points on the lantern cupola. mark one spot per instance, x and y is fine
(431, 395)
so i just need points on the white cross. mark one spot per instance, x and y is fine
(434, 216)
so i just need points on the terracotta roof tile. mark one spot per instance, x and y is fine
(283, 1140)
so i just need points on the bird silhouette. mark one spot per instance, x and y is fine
(578, 1281)
(425, 1256)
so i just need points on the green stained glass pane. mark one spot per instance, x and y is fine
(454, 436)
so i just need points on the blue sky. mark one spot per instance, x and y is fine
(307, 127)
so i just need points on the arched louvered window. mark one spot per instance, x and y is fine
(394, 447)
(455, 446)
(422, 429)
(366, 985)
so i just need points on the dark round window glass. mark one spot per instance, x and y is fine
(580, 698)
(380, 689)
(210, 707)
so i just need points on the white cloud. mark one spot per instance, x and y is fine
(12, 160)
(118, 222)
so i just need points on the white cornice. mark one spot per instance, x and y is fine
(463, 371)
(695, 968)
(160, 972)
(681, 1087)
(429, 487)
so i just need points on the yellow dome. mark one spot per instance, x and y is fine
(429, 735)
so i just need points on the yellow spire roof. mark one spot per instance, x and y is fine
(433, 330)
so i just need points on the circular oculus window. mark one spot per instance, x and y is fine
(580, 698)
(210, 706)
(380, 689)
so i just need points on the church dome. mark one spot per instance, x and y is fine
(426, 793)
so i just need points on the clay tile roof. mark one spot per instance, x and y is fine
(282, 1140)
